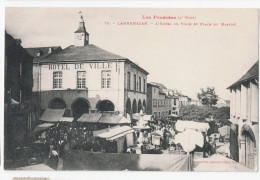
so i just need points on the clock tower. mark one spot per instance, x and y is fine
(81, 35)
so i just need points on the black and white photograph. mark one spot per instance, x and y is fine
(131, 89)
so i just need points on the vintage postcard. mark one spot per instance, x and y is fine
(131, 89)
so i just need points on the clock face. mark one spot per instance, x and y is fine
(79, 37)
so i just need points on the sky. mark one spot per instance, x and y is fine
(181, 57)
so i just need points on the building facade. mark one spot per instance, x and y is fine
(18, 93)
(158, 102)
(84, 78)
(244, 115)
(39, 53)
(175, 103)
(183, 100)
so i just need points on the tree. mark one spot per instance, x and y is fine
(200, 113)
(208, 97)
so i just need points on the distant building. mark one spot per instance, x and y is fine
(183, 100)
(244, 115)
(84, 78)
(175, 103)
(18, 93)
(158, 102)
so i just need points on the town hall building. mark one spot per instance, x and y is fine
(84, 78)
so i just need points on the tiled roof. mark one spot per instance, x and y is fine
(81, 31)
(253, 72)
(13, 46)
(161, 92)
(43, 50)
(152, 84)
(89, 52)
(161, 86)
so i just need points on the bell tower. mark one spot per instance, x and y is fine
(81, 36)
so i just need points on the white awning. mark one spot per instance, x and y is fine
(223, 131)
(233, 121)
(66, 119)
(120, 135)
(148, 118)
(173, 115)
(14, 102)
(182, 125)
(113, 133)
(42, 127)
(123, 120)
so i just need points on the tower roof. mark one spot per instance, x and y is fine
(250, 74)
(81, 28)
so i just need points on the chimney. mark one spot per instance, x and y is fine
(38, 53)
(18, 41)
(50, 50)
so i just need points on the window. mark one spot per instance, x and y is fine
(155, 113)
(144, 85)
(81, 79)
(134, 82)
(140, 84)
(154, 102)
(106, 79)
(154, 90)
(174, 102)
(57, 79)
(137, 83)
(128, 81)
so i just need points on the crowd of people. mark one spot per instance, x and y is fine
(64, 135)
(166, 130)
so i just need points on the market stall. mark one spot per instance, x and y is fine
(42, 127)
(199, 126)
(118, 134)
(52, 115)
(189, 139)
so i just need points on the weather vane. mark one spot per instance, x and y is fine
(81, 17)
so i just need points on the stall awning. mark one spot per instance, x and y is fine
(52, 115)
(120, 135)
(111, 118)
(123, 120)
(141, 127)
(223, 131)
(14, 102)
(90, 118)
(113, 132)
(182, 125)
(148, 118)
(233, 121)
(42, 127)
(66, 119)
(173, 115)
(136, 116)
